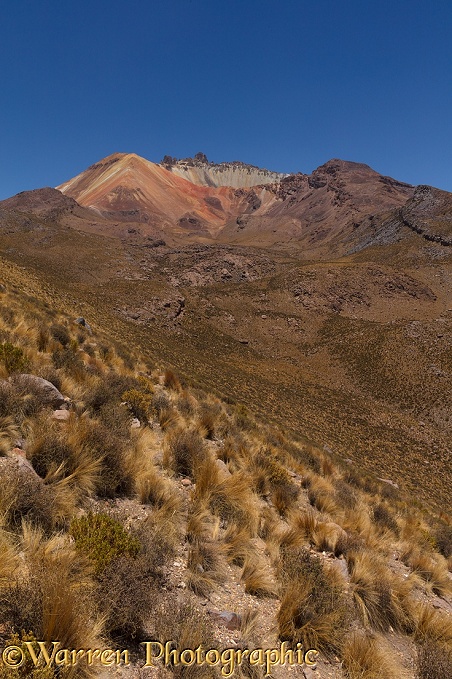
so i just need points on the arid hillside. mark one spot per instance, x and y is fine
(163, 512)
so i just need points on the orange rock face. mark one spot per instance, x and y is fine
(127, 186)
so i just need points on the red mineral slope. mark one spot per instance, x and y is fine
(126, 187)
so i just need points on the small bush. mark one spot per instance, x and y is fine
(382, 517)
(13, 358)
(443, 539)
(60, 334)
(138, 402)
(102, 539)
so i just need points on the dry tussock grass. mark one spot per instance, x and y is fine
(381, 599)
(53, 594)
(257, 576)
(367, 656)
(327, 535)
(237, 545)
(232, 500)
(431, 567)
(301, 528)
(313, 609)
(205, 563)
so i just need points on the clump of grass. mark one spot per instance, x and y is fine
(185, 451)
(383, 518)
(432, 568)
(327, 535)
(233, 501)
(313, 607)
(102, 539)
(237, 544)
(380, 599)
(302, 525)
(271, 478)
(432, 625)
(345, 495)
(257, 576)
(171, 381)
(205, 567)
(365, 656)
(34, 599)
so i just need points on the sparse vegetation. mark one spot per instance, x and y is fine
(202, 496)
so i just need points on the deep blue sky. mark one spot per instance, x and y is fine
(285, 85)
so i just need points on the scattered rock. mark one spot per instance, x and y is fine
(81, 321)
(391, 483)
(61, 415)
(229, 619)
(223, 471)
(16, 464)
(136, 424)
(186, 482)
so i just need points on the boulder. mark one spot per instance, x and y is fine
(81, 321)
(46, 391)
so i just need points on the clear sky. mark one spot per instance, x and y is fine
(284, 85)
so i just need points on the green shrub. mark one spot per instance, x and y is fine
(102, 539)
(13, 358)
(139, 403)
(27, 668)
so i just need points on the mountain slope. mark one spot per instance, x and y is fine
(129, 188)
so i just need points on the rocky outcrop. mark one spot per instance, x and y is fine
(46, 391)
(199, 170)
